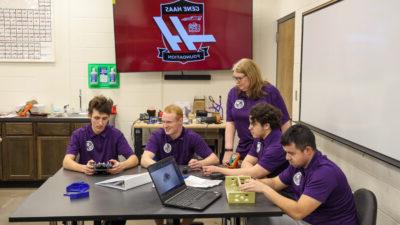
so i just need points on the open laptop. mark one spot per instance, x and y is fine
(172, 190)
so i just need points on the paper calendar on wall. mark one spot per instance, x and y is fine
(26, 31)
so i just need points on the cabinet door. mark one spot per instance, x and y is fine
(51, 152)
(18, 158)
(1, 161)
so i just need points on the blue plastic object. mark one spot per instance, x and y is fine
(77, 190)
(77, 195)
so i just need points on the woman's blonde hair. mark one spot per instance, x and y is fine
(249, 68)
(174, 109)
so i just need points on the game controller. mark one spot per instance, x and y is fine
(102, 167)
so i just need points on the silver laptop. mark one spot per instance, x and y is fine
(172, 190)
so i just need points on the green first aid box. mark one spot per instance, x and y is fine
(234, 195)
(103, 76)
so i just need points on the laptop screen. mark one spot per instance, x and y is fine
(166, 176)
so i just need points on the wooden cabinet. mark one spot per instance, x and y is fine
(1, 161)
(52, 141)
(78, 125)
(18, 155)
(34, 150)
(50, 151)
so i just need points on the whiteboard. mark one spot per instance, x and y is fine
(26, 31)
(350, 74)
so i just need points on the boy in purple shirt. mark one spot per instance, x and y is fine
(98, 142)
(321, 192)
(174, 140)
(266, 156)
(250, 89)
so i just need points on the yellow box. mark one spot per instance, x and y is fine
(234, 195)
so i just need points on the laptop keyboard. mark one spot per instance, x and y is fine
(187, 197)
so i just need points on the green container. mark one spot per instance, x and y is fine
(103, 76)
(234, 195)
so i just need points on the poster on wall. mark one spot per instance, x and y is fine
(26, 31)
(171, 35)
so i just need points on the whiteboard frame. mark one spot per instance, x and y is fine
(334, 137)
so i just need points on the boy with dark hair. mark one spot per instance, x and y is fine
(320, 189)
(266, 156)
(99, 142)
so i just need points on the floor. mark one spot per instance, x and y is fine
(11, 198)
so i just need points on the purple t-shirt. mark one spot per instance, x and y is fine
(183, 148)
(270, 153)
(238, 111)
(100, 147)
(324, 181)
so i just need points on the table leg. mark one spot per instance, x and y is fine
(221, 144)
(138, 142)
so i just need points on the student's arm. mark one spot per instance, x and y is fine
(118, 167)
(230, 130)
(279, 103)
(147, 159)
(295, 209)
(275, 183)
(254, 171)
(70, 164)
(286, 126)
(196, 164)
(249, 161)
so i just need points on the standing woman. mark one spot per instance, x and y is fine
(250, 89)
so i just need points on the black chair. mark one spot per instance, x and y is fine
(366, 206)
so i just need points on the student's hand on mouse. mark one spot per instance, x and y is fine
(116, 168)
(195, 164)
(253, 185)
(89, 168)
(207, 170)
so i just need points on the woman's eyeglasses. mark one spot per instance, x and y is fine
(238, 78)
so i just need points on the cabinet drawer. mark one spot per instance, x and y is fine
(53, 129)
(78, 125)
(18, 129)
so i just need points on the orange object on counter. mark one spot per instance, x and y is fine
(28, 106)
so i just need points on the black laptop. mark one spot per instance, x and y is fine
(172, 190)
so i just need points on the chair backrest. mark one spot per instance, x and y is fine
(366, 206)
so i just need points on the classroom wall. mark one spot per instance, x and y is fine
(361, 170)
(84, 34)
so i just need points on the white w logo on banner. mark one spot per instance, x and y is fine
(174, 40)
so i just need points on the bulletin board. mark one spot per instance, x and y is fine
(26, 31)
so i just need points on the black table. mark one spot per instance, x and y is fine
(48, 203)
